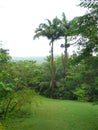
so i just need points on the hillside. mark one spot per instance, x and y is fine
(38, 59)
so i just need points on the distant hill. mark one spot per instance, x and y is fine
(38, 59)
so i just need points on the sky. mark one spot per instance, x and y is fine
(20, 18)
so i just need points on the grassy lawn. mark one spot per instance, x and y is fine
(49, 114)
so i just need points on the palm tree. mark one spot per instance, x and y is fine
(65, 32)
(51, 31)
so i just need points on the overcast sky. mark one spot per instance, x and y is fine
(20, 18)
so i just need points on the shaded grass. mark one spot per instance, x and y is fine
(49, 114)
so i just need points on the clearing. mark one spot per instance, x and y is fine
(51, 114)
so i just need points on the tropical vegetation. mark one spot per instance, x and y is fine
(62, 77)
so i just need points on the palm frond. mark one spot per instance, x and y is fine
(49, 22)
(89, 3)
(39, 34)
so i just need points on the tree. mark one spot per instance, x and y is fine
(66, 31)
(86, 27)
(51, 31)
(16, 77)
(5, 85)
(4, 56)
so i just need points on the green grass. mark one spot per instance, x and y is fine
(49, 114)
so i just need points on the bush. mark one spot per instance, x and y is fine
(16, 102)
(82, 92)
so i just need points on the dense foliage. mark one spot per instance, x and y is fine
(14, 76)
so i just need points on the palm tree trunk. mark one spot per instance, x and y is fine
(52, 77)
(65, 57)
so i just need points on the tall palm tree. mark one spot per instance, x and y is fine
(51, 31)
(65, 32)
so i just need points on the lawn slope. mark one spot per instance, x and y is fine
(49, 114)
